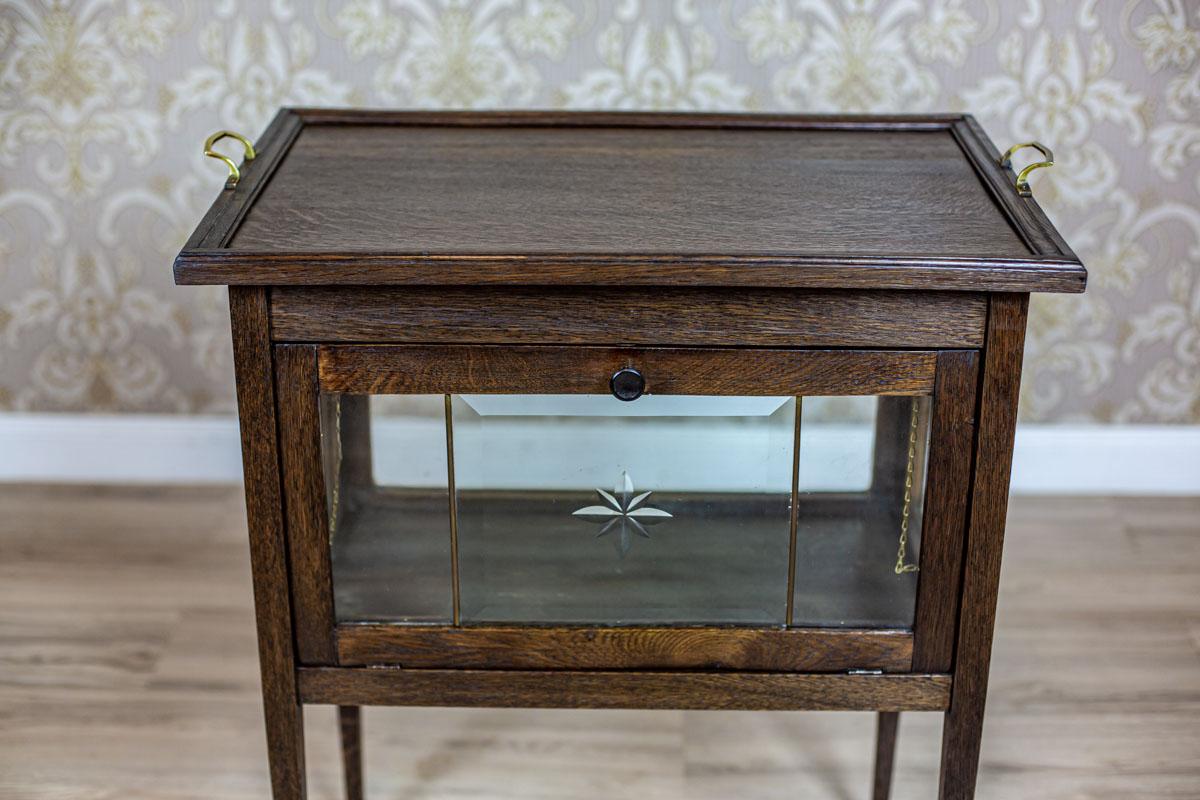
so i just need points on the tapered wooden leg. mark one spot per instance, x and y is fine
(962, 733)
(885, 753)
(962, 736)
(268, 552)
(350, 722)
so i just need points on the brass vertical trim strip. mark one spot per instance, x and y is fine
(795, 520)
(453, 499)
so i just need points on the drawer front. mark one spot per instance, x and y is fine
(589, 507)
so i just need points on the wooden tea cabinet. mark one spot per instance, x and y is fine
(597, 410)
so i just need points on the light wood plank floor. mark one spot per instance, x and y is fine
(127, 670)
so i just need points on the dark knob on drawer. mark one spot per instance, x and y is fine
(627, 384)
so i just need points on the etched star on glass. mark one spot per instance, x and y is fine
(623, 512)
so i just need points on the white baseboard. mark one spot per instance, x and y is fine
(119, 448)
(1107, 459)
(1049, 459)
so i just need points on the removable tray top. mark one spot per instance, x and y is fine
(541, 198)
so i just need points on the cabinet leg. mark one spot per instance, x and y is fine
(350, 722)
(962, 731)
(885, 753)
(268, 550)
(285, 750)
(962, 735)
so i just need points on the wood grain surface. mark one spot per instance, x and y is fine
(622, 316)
(587, 370)
(515, 647)
(671, 199)
(963, 730)
(307, 515)
(616, 191)
(268, 549)
(886, 727)
(664, 690)
(946, 496)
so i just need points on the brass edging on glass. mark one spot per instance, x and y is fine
(795, 515)
(453, 499)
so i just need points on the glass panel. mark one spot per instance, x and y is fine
(855, 458)
(586, 509)
(387, 483)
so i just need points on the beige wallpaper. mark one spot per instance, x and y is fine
(104, 105)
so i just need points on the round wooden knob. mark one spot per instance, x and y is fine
(627, 384)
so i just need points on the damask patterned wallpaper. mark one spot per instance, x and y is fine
(104, 105)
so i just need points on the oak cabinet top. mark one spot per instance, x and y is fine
(538, 198)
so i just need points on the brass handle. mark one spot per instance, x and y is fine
(235, 174)
(1023, 176)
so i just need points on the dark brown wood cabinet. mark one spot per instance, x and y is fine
(603, 410)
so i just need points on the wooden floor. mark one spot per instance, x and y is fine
(127, 671)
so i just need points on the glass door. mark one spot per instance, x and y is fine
(790, 494)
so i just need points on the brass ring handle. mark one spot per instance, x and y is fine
(1023, 176)
(235, 174)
